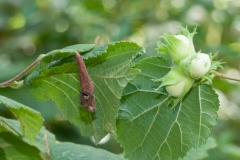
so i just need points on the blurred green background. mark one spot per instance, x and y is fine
(29, 28)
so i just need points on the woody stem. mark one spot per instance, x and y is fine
(220, 75)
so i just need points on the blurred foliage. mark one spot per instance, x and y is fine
(29, 28)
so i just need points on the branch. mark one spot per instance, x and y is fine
(220, 75)
(9, 82)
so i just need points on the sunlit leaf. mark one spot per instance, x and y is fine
(43, 139)
(30, 120)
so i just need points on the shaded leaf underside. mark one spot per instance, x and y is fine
(80, 152)
(147, 126)
(15, 149)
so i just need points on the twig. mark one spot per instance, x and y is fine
(9, 82)
(47, 146)
(220, 75)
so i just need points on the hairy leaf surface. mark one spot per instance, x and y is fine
(149, 128)
(109, 68)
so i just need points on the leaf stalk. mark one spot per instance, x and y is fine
(25, 71)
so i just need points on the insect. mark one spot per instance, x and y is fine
(87, 88)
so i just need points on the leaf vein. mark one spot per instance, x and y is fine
(64, 94)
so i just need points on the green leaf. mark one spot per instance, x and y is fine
(109, 70)
(148, 74)
(2, 154)
(71, 151)
(30, 120)
(66, 52)
(64, 55)
(201, 152)
(148, 128)
(43, 138)
(15, 149)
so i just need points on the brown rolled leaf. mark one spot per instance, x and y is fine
(87, 87)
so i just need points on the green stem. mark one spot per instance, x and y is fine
(220, 75)
(9, 82)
